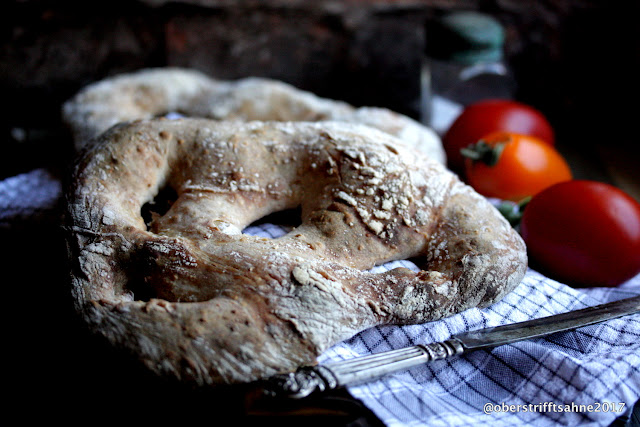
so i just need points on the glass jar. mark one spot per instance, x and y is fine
(463, 63)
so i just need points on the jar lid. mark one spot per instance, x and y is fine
(467, 37)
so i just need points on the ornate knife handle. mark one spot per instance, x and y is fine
(320, 378)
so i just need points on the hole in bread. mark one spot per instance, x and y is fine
(390, 265)
(276, 224)
(421, 262)
(159, 206)
(140, 290)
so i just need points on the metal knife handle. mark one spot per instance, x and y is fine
(319, 378)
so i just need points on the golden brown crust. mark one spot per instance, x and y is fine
(197, 299)
(154, 92)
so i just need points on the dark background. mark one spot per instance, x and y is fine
(576, 61)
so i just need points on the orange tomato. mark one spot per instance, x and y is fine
(492, 115)
(512, 166)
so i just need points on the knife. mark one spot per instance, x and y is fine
(324, 377)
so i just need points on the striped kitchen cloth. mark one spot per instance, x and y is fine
(586, 377)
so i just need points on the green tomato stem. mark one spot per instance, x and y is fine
(483, 152)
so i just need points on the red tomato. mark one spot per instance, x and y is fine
(484, 117)
(583, 233)
(512, 166)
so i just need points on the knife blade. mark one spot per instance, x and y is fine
(324, 377)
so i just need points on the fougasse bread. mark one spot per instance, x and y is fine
(196, 299)
(155, 92)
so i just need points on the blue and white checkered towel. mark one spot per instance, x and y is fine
(547, 381)
(30, 196)
(596, 365)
